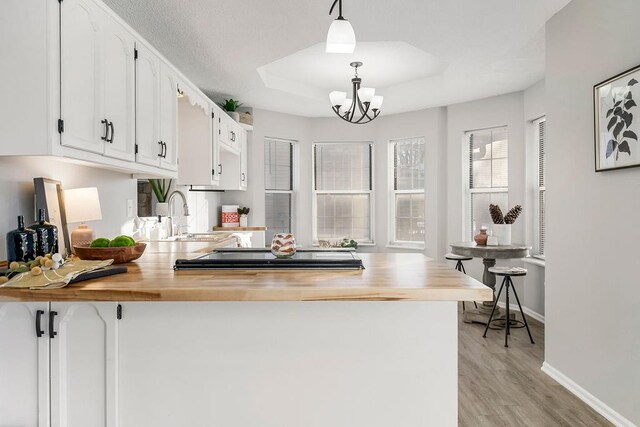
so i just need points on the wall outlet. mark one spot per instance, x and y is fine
(129, 208)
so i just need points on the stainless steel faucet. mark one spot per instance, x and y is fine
(185, 208)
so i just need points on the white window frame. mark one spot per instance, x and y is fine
(540, 183)
(468, 230)
(292, 192)
(371, 192)
(393, 242)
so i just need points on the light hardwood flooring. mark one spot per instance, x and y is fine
(501, 386)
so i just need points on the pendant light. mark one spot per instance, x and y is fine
(364, 101)
(340, 38)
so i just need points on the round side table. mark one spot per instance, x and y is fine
(489, 254)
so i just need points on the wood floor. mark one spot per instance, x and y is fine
(501, 386)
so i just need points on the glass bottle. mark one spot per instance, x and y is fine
(21, 243)
(46, 236)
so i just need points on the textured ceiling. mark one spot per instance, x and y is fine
(475, 48)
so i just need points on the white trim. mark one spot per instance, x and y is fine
(407, 246)
(588, 398)
(535, 261)
(527, 311)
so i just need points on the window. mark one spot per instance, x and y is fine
(343, 191)
(407, 187)
(540, 129)
(278, 184)
(488, 157)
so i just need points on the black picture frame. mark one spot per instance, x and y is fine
(604, 116)
(49, 196)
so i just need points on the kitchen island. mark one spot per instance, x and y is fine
(159, 347)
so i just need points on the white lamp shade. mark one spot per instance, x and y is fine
(346, 106)
(376, 102)
(337, 97)
(366, 94)
(82, 204)
(341, 38)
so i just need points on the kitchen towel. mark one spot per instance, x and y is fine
(51, 279)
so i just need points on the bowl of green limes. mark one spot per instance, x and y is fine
(120, 249)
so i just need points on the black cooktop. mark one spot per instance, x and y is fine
(340, 259)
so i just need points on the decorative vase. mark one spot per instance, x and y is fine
(230, 216)
(234, 115)
(21, 243)
(244, 220)
(46, 236)
(283, 245)
(481, 238)
(162, 209)
(503, 233)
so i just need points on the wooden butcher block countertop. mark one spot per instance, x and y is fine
(387, 276)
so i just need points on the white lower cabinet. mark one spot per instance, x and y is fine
(84, 364)
(24, 365)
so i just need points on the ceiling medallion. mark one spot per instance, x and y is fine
(363, 100)
(340, 38)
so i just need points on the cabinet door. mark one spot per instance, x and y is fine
(80, 79)
(83, 365)
(24, 365)
(147, 108)
(216, 166)
(119, 95)
(244, 153)
(169, 118)
(224, 131)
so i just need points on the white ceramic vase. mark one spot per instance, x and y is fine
(234, 115)
(244, 220)
(503, 233)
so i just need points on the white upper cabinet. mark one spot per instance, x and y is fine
(24, 364)
(81, 81)
(119, 94)
(168, 118)
(244, 153)
(83, 365)
(150, 148)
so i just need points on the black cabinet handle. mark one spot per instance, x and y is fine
(105, 122)
(52, 332)
(161, 148)
(220, 168)
(164, 145)
(39, 331)
(243, 176)
(110, 126)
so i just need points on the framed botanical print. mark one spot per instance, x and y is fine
(617, 121)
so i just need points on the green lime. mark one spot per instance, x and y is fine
(122, 241)
(100, 242)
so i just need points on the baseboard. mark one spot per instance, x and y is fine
(588, 398)
(527, 311)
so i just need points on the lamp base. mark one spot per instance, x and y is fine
(81, 236)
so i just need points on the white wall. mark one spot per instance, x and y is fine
(16, 192)
(593, 292)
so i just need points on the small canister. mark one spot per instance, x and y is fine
(230, 216)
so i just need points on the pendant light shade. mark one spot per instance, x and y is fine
(376, 103)
(337, 98)
(366, 94)
(341, 38)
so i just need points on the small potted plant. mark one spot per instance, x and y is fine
(502, 223)
(244, 216)
(231, 106)
(161, 188)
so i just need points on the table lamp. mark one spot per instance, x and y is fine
(82, 205)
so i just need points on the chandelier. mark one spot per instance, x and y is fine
(364, 101)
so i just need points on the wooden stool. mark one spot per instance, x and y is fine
(507, 273)
(460, 267)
